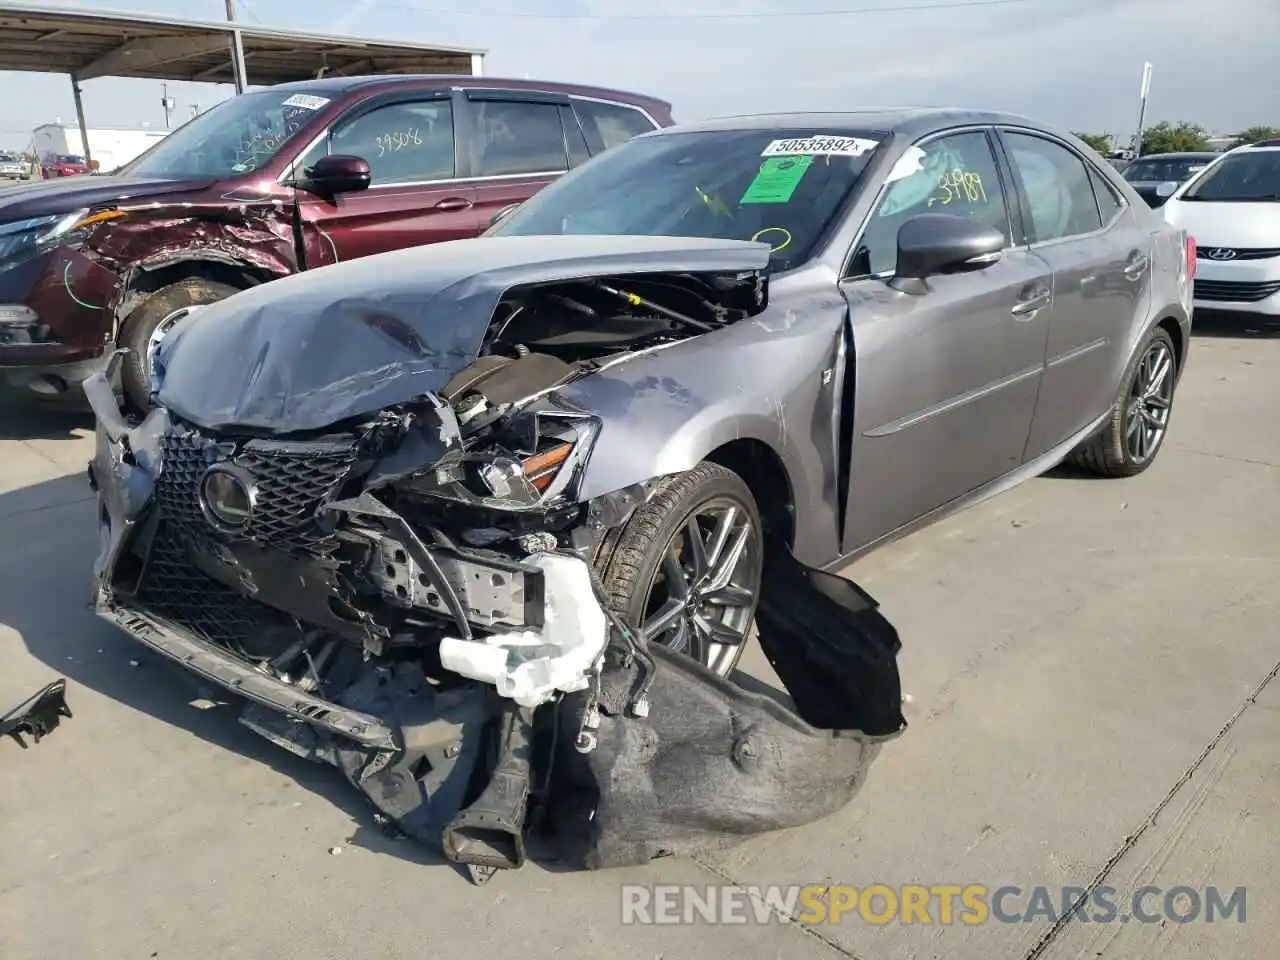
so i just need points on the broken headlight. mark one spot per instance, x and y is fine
(522, 474)
(22, 239)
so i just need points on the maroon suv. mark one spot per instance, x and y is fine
(269, 183)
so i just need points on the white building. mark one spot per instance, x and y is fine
(111, 147)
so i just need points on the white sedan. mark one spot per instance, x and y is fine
(1232, 209)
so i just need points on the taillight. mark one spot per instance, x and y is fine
(1191, 257)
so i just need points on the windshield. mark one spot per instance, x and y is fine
(781, 187)
(236, 137)
(68, 158)
(1163, 169)
(1241, 177)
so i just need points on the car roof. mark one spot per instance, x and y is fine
(336, 86)
(908, 121)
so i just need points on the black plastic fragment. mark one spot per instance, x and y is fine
(714, 761)
(37, 716)
(441, 733)
(489, 833)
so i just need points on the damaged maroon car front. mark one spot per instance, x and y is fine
(411, 510)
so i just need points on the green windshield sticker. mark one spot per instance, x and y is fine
(777, 180)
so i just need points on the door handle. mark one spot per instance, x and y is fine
(1136, 267)
(454, 203)
(1026, 309)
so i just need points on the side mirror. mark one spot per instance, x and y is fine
(934, 243)
(1167, 189)
(339, 173)
(503, 214)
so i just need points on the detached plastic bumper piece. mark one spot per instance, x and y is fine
(37, 716)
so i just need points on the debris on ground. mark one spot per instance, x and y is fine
(37, 716)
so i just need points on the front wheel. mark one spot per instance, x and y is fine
(686, 568)
(1135, 431)
(148, 324)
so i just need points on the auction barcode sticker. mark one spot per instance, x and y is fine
(306, 101)
(820, 146)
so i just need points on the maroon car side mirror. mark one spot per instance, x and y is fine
(339, 173)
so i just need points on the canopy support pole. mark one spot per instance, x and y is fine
(84, 129)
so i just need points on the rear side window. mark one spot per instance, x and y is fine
(1059, 197)
(609, 124)
(1109, 205)
(516, 136)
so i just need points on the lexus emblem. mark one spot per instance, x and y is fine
(1221, 253)
(227, 497)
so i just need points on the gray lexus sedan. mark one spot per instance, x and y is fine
(713, 345)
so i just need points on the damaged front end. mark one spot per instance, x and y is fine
(411, 595)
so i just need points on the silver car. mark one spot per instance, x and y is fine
(12, 168)
(706, 349)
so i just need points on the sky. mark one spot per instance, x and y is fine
(1076, 64)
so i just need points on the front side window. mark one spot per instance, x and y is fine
(953, 174)
(780, 187)
(1249, 176)
(514, 137)
(237, 137)
(1059, 196)
(609, 124)
(405, 142)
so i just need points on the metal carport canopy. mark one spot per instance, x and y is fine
(91, 44)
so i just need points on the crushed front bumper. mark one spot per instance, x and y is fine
(216, 665)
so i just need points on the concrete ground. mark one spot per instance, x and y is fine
(1089, 662)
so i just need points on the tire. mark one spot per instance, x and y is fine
(146, 318)
(1112, 452)
(715, 624)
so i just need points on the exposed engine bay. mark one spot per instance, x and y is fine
(413, 595)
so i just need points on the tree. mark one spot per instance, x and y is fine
(1104, 143)
(1182, 137)
(1254, 134)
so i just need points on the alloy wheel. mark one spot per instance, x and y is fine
(703, 596)
(160, 332)
(1150, 403)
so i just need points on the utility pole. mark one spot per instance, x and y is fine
(237, 51)
(1142, 107)
(167, 102)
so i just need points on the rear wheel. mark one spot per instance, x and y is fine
(1139, 420)
(148, 324)
(686, 568)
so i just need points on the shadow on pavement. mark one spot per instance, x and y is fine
(1240, 326)
(23, 422)
(45, 593)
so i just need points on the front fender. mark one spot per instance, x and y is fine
(774, 379)
(123, 471)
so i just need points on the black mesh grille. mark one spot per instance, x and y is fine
(174, 588)
(1232, 292)
(292, 480)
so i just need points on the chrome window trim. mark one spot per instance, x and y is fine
(614, 103)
